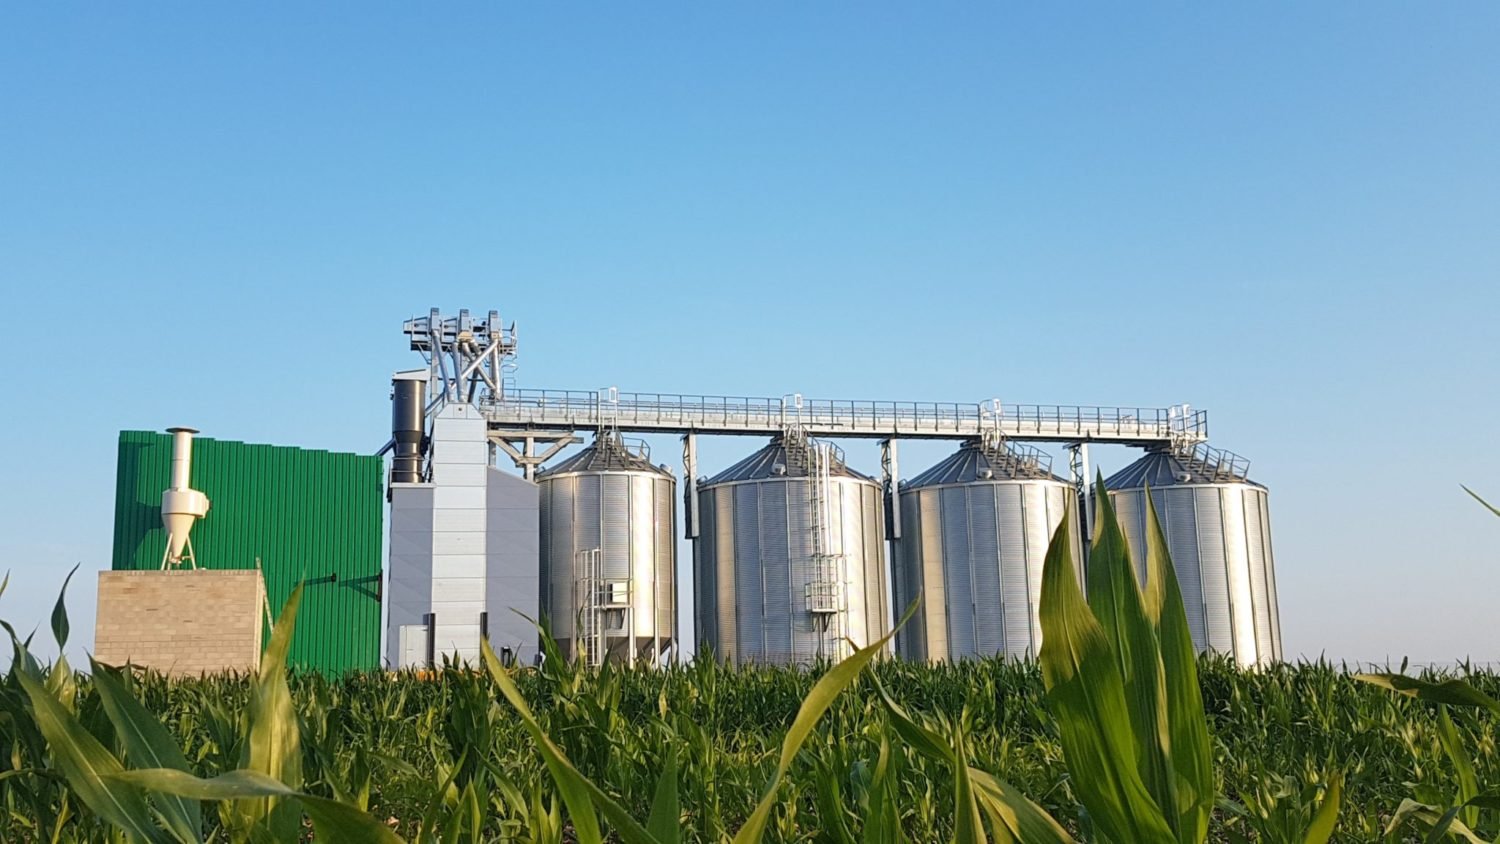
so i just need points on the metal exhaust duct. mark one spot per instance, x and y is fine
(408, 423)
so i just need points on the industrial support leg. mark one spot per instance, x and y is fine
(1078, 467)
(521, 448)
(890, 479)
(690, 529)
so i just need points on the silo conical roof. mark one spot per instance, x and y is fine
(606, 454)
(764, 463)
(1164, 468)
(971, 462)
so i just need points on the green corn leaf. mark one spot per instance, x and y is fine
(60, 613)
(1452, 692)
(1191, 750)
(1489, 800)
(148, 745)
(1114, 595)
(1013, 818)
(823, 693)
(1327, 816)
(274, 744)
(579, 794)
(334, 822)
(1436, 821)
(455, 829)
(1491, 507)
(1445, 822)
(882, 822)
(1086, 693)
(86, 764)
(1468, 783)
(666, 813)
(828, 797)
(476, 814)
(918, 737)
(234, 785)
(340, 823)
(23, 660)
(440, 796)
(61, 684)
(968, 823)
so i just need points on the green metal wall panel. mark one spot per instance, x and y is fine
(306, 514)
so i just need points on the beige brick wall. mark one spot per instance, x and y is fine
(183, 623)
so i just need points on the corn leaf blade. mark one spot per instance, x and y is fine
(1190, 748)
(666, 813)
(968, 823)
(1487, 504)
(148, 745)
(1013, 818)
(1452, 692)
(334, 822)
(87, 765)
(1468, 783)
(60, 613)
(1326, 818)
(1114, 595)
(817, 702)
(274, 744)
(579, 794)
(1087, 695)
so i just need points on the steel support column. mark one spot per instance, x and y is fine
(522, 448)
(1078, 469)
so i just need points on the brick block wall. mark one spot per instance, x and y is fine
(183, 623)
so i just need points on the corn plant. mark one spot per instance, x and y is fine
(873, 750)
(148, 792)
(1456, 814)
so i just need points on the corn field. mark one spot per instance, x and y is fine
(1118, 734)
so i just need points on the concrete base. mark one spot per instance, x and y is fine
(181, 623)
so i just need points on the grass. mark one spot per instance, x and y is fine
(1100, 742)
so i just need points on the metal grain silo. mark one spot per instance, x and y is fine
(608, 552)
(790, 563)
(975, 532)
(1218, 530)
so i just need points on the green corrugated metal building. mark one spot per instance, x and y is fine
(306, 514)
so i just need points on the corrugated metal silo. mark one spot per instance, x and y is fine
(1218, 530)
(790, 561)
(608, 552)
(975, 531)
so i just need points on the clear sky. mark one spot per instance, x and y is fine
(1285, 213)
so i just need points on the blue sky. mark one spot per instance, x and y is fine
(1284, 213)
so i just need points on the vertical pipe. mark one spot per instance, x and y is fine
(182, 456)
(432, 640)
(690, 494)
(408, 420)
(1086, 510)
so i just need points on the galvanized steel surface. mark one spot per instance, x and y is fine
(755, 559)
(973, 544)
(618, 503)
(1219, 536)
(306, 514)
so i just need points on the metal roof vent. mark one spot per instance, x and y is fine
(778, 469)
